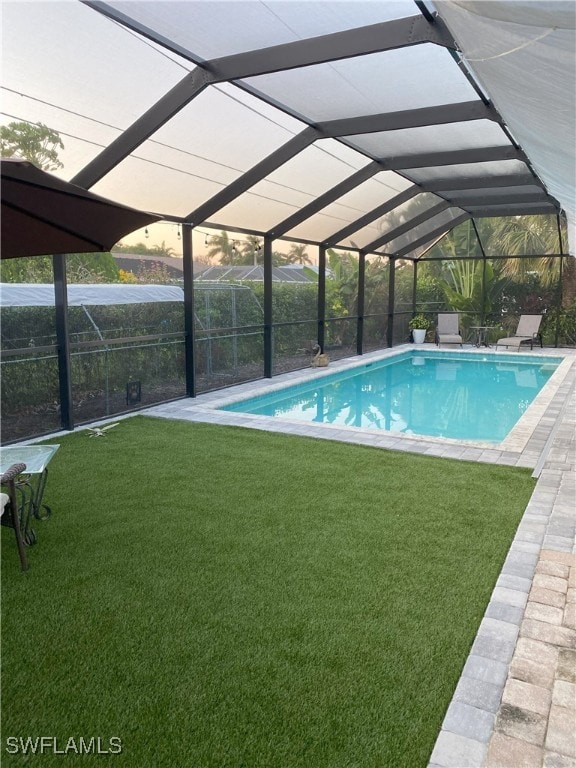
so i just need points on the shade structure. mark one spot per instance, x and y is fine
(42, 214)
(364, 125)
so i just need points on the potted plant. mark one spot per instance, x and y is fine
(419, 325)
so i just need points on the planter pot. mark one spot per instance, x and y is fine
(418, 334)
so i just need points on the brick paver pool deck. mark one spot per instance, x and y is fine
(515, 703)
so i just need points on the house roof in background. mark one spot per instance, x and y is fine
(253, 274)
(138, 262)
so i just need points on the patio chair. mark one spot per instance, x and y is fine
(527, 332)
(9, 508)
(448, 329)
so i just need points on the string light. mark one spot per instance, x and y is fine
(146, 234)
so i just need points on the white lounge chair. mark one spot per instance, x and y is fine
(527, 332)
(448, 329)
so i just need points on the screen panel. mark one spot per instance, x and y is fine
(352, 205)
(433, 138)
(406, 78)
(209, 144)
(441, 219)
(465, 170)
(211, 29)
(81, 75)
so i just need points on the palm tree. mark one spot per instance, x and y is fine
(569, 282)
(297, 255)
(252, 251)
(516, 236)
(222, 247)
(524, 235)
(164, 250)
(538, 235)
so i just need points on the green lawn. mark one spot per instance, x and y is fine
(225, 598)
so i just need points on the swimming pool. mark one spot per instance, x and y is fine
(457, 395)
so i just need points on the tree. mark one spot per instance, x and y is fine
(164, 250)
(80, 268)
(469, 280)
(341, 283)
(145, 250)
(569, 282)
(278, 259)
(241, 253)
(525, 235)
(538, 235)
(36, 143)
(222, 247)
(91, 268)
(252, 251)
(156, 273)
(517, 236)
(36, 269)
(297, 255)
(140, 248)
(376, 280)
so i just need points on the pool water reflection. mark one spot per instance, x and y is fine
(425, 393)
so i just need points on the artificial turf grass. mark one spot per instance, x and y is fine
(224, 597)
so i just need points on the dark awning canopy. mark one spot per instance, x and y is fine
(42, 214)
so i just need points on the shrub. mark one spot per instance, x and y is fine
(420, 321)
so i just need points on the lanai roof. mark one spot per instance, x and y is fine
(359, 124)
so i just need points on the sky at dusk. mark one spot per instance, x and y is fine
(88, 78)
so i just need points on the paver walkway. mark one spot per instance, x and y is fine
(536, 722)
(515, 704)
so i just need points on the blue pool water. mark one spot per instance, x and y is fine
(464, 396)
